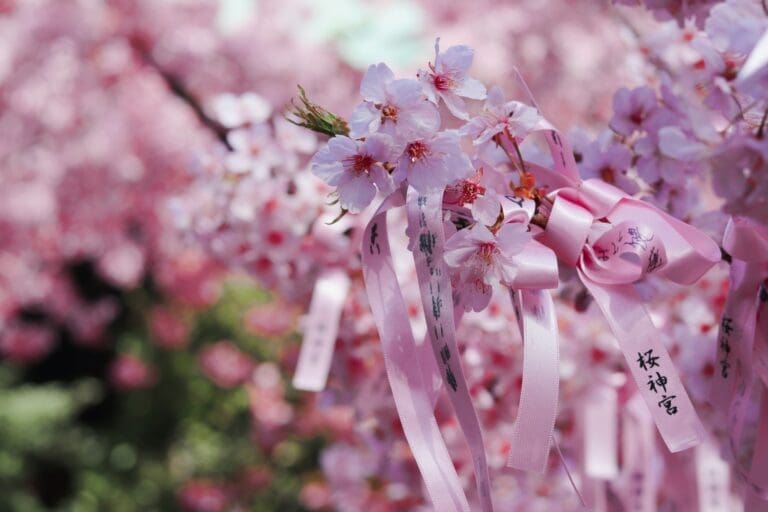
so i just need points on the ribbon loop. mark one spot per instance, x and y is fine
(630, 239)
(623, 254)
(536, 268)
(567, 230)
(532, 431)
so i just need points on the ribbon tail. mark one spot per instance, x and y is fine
(409, 389)
(535, 423)
(650, 364)
(320, 330)
(427, 360)
(425, 226)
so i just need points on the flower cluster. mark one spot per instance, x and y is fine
(433, 134)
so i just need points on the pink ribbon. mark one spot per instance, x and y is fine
(614, 241)
(741, 351)
(537, 410)
(320, 330)
(412, 367)
(425, 225)
(410, 380)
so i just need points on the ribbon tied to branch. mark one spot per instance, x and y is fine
(614, 241)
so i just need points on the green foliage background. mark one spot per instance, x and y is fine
(68, 442)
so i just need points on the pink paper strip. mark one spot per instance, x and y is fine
(713, 479)
(320, 330)
(638, 451)
(649, 362)
(406, 377)
(736, 335)
(600, 430)
(425, 227)
(532, 431)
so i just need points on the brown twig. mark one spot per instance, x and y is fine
(177, 86)
(761, 129)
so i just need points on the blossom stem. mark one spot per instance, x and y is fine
(519, 155)
(512, 159)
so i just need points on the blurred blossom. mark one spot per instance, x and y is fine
(202, 496)
(167, 328)
(315, 495)
(225, 364)
(272, 320)
(24, 344)
(128, 373)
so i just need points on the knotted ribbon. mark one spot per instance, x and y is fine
(410, 371)
(742, 347)
(614, 241)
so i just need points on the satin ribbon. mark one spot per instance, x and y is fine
(741, 350)
(409, 378)
(537, 411)
(614, 240)
(321, 327)
(425, 227)
(412, 367)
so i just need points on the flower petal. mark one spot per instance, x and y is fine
(373, 86)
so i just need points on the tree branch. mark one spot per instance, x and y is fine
(177, 86)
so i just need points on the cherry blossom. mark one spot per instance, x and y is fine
(225, 364)
(432, 161)
(632, 109)
(392, 106)
(355, 168)
(483, 258)
(607, 160)
(511, 118)
(447, 79)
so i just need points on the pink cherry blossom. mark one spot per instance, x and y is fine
(512, 118)
(632, 109)
(447, 79)
(433, 161)
(482, 259)
(355, 168)
(225, 364)
(167, 328)
(128, 373)
(202, 496)
(607, 160)
(24, 344)
(392, 106)
(672, 157)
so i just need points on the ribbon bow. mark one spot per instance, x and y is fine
(742, 349)
(614, 240)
